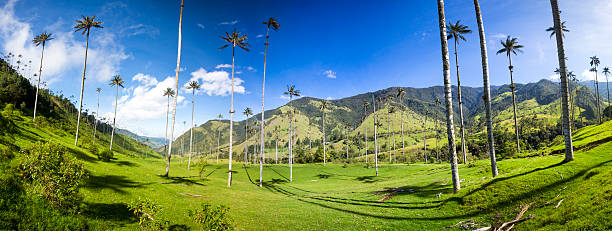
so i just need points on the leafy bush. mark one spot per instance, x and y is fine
(147, 213)
(105, 155)
(211, 217)
(202, 167)
(93, 149)
(53, 173)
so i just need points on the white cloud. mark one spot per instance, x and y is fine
(139, 29)
(329, 98)
(238, 72)
(554, 77)
(223, 66)
(499, 36)
(251, 69)
(285, 97)
(201, 26)
(217, 83)
(587, 75)
(330, 74)
(64, 52)
(259, 36)
(229, 23)
(145, 80)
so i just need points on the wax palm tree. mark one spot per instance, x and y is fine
(271, 24)
(448, 96)
(366, 105)
(574, 81)
(387, 101)
(323, 107)
(291, 92)
(400, 95)
(176, 81)
(553, 31)
(511, 46)
(84, 25)
(425, 134)
(220, 117)
(193, 85)
(567, 130)
(456, 32)
(38, 40)
(437, 129)
(594, 63)
(168, 93)
(247, 112)
(276, 145)
(235, 39)
(117, 82)
(375, 135)
(97, 114)
(606, 72)
(391, 111)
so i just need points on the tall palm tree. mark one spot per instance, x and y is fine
(366, 104)
(400, 94)
(234, 39)
(594, 63)
(40, 39)
(574, 80)
(291, 92)
(425, 134)
(511, 46)
(271, 24)
(117, 82)
(247, 112)
(388, 99)
(97, 114)
(437, 129)
(323, 107)
(606, 72)
(169, 92)
(567, 130)
(176, 81)
(276, 145)
(448, 96)
(391, 111)
(456, 32)
(219, 137)
(84, 25)
(193, 85)
(375, 135)
(553, 31)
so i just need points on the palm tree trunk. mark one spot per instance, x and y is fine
(246, 142)
(365, 137)
(114, 117)
(597, 96)
(191, 128)
(436, 135)
(178, 63)
(486, 88)
(567, 130)
(512, 87)
(218, 144)
(229, 171)
(290, 139)
(608, 89)
(375, 136)
(462, 126)
(263, 88)
(324, 156)
(42, 54)
(276, 151)
(448, 97)
(425, 137)
(76, 137)
(95, 119)
(402, 120)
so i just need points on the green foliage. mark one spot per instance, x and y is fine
(93, 149)
(211, 217)
(147, 213)
(9, 111)
(53, 173)
(202, 167)
(105, 155)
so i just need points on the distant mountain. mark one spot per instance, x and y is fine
(153, 142)
(540, 98)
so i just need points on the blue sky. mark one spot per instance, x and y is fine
(328, 49)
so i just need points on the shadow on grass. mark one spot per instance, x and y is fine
(368, 179)
(82, 155)
(110, 212)
(125, 163)
(278, 173)
(181, 180)
(323, 176)
(114, 182)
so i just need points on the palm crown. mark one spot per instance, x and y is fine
(98, 89)
(291, 91)
(606, 71)
(594, 61)
(86, 23)
(510, 46)
(116, 81)
(272, 23)
(553, 31)
(324, 105)
(42, 38)
(169, 92)
(247, 112)
(235, 39)
(193, 85)
(401, 92)
(457, 30)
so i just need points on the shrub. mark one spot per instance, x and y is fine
(54, 174)
(93, 149)
(211, 217)
(202, 167)
(105, 155)
(147, 213)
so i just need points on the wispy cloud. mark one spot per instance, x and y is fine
(201, 26)
(330, 74)
(141, 29)
(259, 36)
(229, 22)
(285, 97)
(249, 68)
(223, 66)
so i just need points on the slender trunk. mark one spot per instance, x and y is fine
(436, 133)
(290, 139)
(402, 121)
(76, 137)
(608, 89)
(42, 54)
(178, 63)
(276, 151)
(347, 147)
(324, 157)
(263, 88)
(191, 128)
(246, 142)
(486, 88)
(462, 126)
(597, 95)
(96, 119)
(375, 136)
(448, 98)
(114, 117)
(512, 87)
(365, 137)
(389, 136)
(218, 144)
(425, 137)
(567, 130)
(229, 171)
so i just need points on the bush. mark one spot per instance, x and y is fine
(211, 217)
(54, 174)
(147, 212)
(105, 155)
(202, 167)
(93, 149)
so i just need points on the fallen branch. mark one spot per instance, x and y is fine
(558, 204)
(559, 173)
(510, 224)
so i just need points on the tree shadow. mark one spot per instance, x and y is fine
(178, 228)
(323, 176)
(114, 182)
(109, 212)
(246, 170)
(278, 173)
(368, 179)
(125, 163)
(82, 155)
(181, 180)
